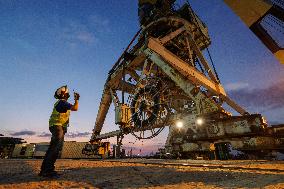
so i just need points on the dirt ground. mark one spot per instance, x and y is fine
(110, 174)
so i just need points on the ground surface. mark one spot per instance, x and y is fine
(130, 174)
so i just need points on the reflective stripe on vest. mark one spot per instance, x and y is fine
(60, 119)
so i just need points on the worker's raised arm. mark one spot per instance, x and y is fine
(76, 104)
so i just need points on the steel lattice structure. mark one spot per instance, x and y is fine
(165, 78)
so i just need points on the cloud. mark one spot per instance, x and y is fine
(275, 122)
(44, 134)
(77, 134)
(20, 133)
(99, 23)
(236, 86)
(67, 135)
(86, 37)
(268, 98)
(126, 147)
(76, 32)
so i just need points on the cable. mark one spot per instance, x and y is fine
(273, 27)
(212, 63)
(275, 20)
(279, 3)
(122, 55)
(200, 66)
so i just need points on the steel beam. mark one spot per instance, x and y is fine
(102, 112)
(204, 104)
(185, 69)
(172, 35)
(108, 135)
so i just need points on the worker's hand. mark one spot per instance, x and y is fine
(76, 96)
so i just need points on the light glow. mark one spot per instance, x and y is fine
(199, 121)
(179, 124)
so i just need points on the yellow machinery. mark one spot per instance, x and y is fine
(99, 148)
(23, 150)
(255, 13)
(122, 114)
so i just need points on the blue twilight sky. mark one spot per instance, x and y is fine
(48, 43)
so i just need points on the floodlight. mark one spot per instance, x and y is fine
(179, 124)
(199, 121)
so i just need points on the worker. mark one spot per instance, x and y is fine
(149, 10)
(58, 123)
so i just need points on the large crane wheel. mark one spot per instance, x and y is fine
(149, 108)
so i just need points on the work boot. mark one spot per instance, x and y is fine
(50, 174)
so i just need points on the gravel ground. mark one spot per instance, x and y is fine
(109, 174)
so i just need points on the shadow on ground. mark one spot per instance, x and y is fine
(139, 176)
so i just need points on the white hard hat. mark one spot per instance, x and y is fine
(61, 92)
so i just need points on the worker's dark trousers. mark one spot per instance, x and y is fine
(54, 148)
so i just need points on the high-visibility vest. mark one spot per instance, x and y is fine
(59, 119)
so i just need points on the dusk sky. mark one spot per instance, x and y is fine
(49, 43)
